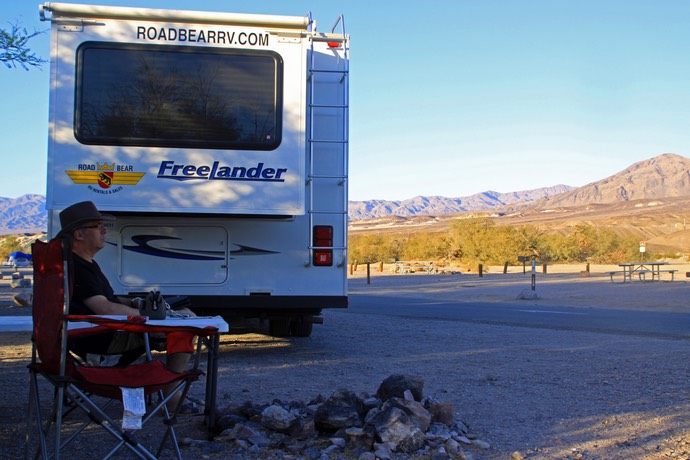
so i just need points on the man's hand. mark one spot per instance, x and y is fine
(136, 303)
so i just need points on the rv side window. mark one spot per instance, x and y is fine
(178, 96)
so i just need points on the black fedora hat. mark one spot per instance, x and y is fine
(79, 213)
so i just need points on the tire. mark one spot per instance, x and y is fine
(302, 326)
(279, 327)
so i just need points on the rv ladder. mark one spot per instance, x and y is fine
(320, 145)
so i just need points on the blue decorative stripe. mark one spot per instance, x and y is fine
(143, 246)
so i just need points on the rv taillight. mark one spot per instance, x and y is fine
(323, 238)
(334, 44)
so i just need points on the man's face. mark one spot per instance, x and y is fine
(93, 234)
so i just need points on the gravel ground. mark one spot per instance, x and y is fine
(545, 394)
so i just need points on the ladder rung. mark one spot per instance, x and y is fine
(330, 213)
(328, 141)
(326, 71)
(317, 176)
(329, 106)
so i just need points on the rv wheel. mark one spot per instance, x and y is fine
(279, 327)
(302, 326)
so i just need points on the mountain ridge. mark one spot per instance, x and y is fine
(432, 205)
(25, 214)
(663, 176)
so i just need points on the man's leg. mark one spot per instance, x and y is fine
(176, 362)
(129, 345)
(180, 346)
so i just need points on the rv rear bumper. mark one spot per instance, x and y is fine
(259, 303)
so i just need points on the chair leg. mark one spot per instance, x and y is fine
(170, 419)
(33, 420)
(50, 431)
(98, 415)
(92, 416)
(50, 420)
(52, 423)
(58, 419)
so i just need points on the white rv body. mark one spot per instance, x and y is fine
(220, 143)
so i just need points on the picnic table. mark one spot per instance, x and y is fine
(641, 270)
(408, 267)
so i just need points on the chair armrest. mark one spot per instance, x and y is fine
(87, 331)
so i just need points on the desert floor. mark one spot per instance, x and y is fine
(545, 394)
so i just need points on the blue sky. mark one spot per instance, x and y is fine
(454, 97)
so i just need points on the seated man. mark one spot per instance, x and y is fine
(92, 294)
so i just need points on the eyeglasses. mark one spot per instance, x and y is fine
(100, 226)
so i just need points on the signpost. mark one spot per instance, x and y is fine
(534, 274)
(523, 259)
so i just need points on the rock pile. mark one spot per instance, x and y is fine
(397, 422)
(18, 281)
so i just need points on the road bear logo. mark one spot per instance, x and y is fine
(104, 175)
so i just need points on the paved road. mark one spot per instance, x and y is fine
(525, 314)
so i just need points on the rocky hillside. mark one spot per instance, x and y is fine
(664, 176)
(26, 214)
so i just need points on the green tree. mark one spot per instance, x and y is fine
(368, 248)
(480, 240)
(529, 241)
(579, 245)
(14, 47)
(427, 246)
(471, 240)
(8, 245)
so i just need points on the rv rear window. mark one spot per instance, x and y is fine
(178, 96)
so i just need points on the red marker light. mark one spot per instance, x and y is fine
(334, 44)
(323, 237)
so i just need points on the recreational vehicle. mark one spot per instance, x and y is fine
(220, 143)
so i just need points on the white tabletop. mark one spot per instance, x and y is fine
(630, 264)
(198, 321)
(25, 323)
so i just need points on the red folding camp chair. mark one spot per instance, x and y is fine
(89, 390)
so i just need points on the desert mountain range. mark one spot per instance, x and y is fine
(26, 214)
(663, 176)
(650, 199)
(435, 205)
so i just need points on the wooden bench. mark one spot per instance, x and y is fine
(670, 272)
(655, 274)
(641, 274)
(612, 274)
